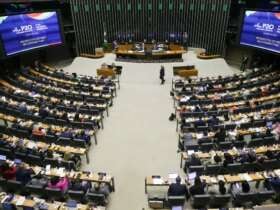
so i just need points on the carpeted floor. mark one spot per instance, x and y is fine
(138, 139)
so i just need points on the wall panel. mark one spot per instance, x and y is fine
(205, 22)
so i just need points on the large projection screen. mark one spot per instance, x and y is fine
(261, 29)
(24, 32)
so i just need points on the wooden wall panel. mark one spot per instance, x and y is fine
(205, 22)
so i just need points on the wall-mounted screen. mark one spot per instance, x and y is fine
(24, 32)
(261, 29)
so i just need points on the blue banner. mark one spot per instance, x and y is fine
(261, 29)
(25, 32)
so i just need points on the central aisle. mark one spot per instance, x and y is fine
(138, 139)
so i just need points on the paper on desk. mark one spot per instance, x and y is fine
(191, 176)
(221, 178)
(157, 181)
(277, 172)
(60, 172)
(172, 176)
(190, 152)
(31, 145)
(20, 201)
(246, 177)
(48, 169)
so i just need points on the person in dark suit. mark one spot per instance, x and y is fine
(178, 189)
(213, 121)
(162, 74)
(200, 122)
(198, 187)
(220, 135)
(23, 174)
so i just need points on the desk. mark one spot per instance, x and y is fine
(126, 52)
(96, 55)
(22, 201)
(206, 56)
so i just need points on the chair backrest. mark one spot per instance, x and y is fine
(14, 186)
(176, 200)
(266, 195)
(234, 168)
(76, 195)
(35, 189)
(246, 197)
(206, 147)
(99, 199)
(198, 169)
(54, 193)
(219, 201)
(201, 201)
(213, 169)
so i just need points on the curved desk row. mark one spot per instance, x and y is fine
(122, 54)
(206, 56)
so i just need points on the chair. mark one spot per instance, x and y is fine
(243, 198)
(55, 194)
(6, 152)
(220, 201)
(226, 145)
(206, 147)
(269, 140)
(176, 200)
(265, 195)
(76, 195)
(34, 160)
(200, 201)
(64, 141)
(239, 144)
(256, 142)
(271, 164)
(198, 169)
(14, 186)
(35, 189)
(99, 199)
(79, 143)
(52, 162)
(213, 169)
(234, 168)
(192, 146)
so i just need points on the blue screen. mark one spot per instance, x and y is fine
(20, 33)
(261, 29)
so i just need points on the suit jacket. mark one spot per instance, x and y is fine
(178, 190)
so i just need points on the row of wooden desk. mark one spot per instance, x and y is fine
(227, 178)
(24, 202)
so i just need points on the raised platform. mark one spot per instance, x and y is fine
(137, 60)
(172, 53)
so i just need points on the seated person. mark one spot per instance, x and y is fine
(213, 121)
(220, 136)
(83, 136)
(178, 189)
(193, 161)
(217, 159)
(38, 131)
(236, 188)
(199, 123)
(221, 188)
(197, 188)
(100, 188)
(39, 180)
(78, 185)
(252, 157)
(59, 183)
(67, 133)
(23, 174)
(7, 172)
(228, 159)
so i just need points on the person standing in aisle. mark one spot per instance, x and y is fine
(162, 74)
